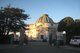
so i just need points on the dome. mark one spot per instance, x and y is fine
(45, 19)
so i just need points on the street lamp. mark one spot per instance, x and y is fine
(64, 32)
(64, 36)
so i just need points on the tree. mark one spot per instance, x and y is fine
(11, 19)
(76, 27)
(66, 24)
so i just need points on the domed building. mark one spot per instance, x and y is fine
(42, 28)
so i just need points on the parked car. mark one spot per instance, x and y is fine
(75, 40)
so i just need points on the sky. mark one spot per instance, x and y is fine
(56, 9)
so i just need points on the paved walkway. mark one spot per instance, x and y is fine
(37, 47)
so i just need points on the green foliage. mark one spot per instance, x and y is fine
(65, 23)
(71, 27)
(11, 19)
(77, 27)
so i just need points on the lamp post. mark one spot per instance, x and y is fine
(64, 36)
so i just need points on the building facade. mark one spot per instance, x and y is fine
(42, 28)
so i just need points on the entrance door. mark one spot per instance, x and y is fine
(42, 36)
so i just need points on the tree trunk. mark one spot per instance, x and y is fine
(14, 34)
(68, 37)
(8, 32)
